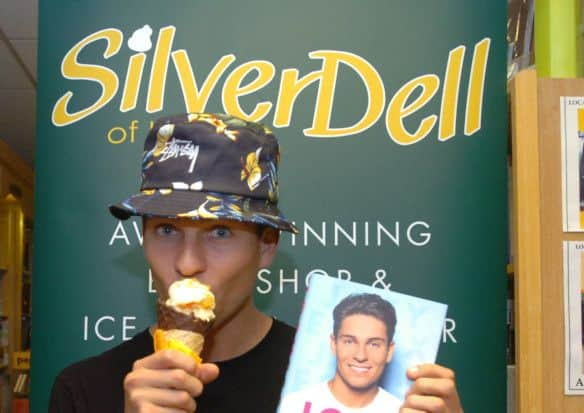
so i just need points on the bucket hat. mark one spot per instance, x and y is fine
(208, 166)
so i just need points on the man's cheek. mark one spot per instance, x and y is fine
(160, 285)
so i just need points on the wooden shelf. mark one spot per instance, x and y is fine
(537, 227)
(16, 223)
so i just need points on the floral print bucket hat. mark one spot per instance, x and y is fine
(208, 166)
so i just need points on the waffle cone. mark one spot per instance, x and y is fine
(187, 342)
(179, 331)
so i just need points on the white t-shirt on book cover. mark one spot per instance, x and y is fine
(319, 399)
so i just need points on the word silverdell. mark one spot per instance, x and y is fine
(254, 75)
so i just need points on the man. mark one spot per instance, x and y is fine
(209, 205)
(362, 344)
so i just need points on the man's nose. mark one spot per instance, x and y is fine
(361, 353)
(191, 259)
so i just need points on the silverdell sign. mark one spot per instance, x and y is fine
(248, 77)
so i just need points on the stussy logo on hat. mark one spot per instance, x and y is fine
(177, 148)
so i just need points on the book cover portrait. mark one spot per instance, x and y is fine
(353, 346)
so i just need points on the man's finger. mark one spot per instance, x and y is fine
(169, 398)
(154, 409)
(430, 370)
(172, 379)
(429, 404)
(433, 387)
(167, 359)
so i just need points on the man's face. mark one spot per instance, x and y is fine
(223, 254)
(362, 351)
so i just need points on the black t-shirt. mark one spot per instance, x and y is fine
(248, 383)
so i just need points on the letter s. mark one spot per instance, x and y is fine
(72, 69)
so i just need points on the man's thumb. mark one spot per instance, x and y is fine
(207, 372)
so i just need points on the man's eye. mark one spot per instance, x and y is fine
(221, 232)
(165, 229)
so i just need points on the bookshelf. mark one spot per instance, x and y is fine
(538, 236)
(16, 277)
(21, 381)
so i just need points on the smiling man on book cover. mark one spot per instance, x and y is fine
(351, 355)
(362, 343)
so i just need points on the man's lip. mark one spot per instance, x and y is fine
(358, 368)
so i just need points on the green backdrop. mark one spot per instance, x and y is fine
(421, 215)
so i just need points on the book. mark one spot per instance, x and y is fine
(358, 359)
(21, 384)
(572, 134)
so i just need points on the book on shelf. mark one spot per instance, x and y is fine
(21, 384)
(3, 341)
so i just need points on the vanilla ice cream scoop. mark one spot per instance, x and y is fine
(191, 297)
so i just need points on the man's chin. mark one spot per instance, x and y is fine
(360, 387)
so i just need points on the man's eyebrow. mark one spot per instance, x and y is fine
(370, 339)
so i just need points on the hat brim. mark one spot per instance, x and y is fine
(201, 205)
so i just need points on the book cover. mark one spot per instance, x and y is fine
(574, 317)
(572, 131)
(353, 346)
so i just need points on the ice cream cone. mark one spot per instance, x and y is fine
(181, 326)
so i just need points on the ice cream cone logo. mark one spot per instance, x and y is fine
(141, 39)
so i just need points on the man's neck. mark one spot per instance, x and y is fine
(349, 397)
(236, 336)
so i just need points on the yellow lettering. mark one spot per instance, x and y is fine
(232, 89)
(159, 69)
(133, 80)
(195, 100)
(399, 109)
(121, 135)
(133, 127)
(72, 69)
(449, 105)
(476, 86)
(325, 98)
(290, 88)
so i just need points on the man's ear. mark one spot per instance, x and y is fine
(390, 352)
(269, 238)
(333, 344)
